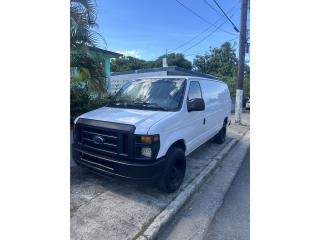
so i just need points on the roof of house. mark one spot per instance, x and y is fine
(172, 70)
(105, 52)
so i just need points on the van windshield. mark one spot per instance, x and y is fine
(164, 94)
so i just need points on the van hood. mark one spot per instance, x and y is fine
(141, 119)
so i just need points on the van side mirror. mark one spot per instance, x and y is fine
(196, 104)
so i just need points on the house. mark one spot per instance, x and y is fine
(106, 56)
(119, 78)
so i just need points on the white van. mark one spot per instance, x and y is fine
(150, 126)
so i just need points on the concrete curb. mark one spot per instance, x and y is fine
(224, 188)
(167, 214)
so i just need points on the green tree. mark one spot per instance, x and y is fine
(218, 61)
(174, 59)
(90, 72)
(124, 63)
(222, 62)
(130, 63)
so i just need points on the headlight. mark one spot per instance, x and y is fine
(146, 151)
(147, 146)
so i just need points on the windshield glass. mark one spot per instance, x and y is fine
(163, 94)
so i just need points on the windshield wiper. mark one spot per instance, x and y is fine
(148, 104)
(116, 103)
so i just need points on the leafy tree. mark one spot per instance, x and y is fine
(218, 61)
(90, 72)
(222, 62)
(130, 63)
(174, 59)
(124, 63)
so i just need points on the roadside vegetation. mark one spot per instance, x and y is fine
(88, 86)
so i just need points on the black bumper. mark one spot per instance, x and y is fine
(126, 169)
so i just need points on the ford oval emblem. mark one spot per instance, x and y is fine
(98, 139)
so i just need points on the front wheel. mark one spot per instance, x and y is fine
(174, 171)
(221, 136)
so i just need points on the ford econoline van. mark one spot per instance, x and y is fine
(149, 127)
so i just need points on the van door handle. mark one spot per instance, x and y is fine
(204, 121)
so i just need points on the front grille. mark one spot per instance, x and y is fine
(112, 142)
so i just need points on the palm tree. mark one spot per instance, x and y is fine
(83, 15)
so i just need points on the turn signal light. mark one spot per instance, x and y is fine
(149, 139)
(146, 139)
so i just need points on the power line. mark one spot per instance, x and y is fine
(207, 36)
(196, 14)
(216, 29)
(234, 26)
(190, 40)
(199, 16)
(191, 54)
(213, 8)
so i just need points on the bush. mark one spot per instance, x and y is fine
(232, 84)
(81, 100)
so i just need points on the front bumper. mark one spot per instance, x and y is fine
(117, 167)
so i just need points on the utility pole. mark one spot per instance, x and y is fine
(164, 60)
(242, 48)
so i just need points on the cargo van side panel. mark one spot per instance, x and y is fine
(218, 105)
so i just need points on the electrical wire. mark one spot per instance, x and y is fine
(213, 8)
(204, 38)
(218, 5)
(203, 51)
(205, 30)
(199, 16)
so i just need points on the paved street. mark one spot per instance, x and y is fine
(233, 219)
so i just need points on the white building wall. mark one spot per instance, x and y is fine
(118, 80)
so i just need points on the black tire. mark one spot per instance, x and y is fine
(221, 135)
(174, 171)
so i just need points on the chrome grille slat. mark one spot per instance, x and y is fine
(113, 142)
(107, 144)
(101, 134)
(98, 149)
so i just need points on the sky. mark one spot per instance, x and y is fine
(146, 28)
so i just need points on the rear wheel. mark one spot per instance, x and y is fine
(221, 135)
(174, 171)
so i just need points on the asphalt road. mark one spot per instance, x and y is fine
(232, 221)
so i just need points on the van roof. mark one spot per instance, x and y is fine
(179, 76)
(169, 71)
